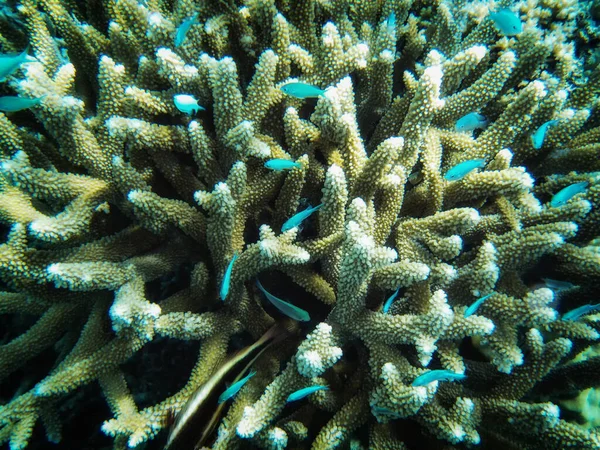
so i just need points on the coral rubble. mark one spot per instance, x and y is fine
(135, 188)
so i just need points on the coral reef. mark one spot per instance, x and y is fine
(135, 188)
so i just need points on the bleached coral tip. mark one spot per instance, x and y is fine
(553, 411)
(386, 55)
(359, 203)
(539, 86)
(163, 52)
(329, 26)
(53, 268)
(479, 51)
(505, 153)
(155, 18)
(434, 73)
(221, 188)
(396, 141)
(586, 205)
(40, 390)
(473, 216)
(336, 170)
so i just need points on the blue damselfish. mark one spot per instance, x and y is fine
(566, 194)
(558, 285)
(388, 303)
(183, 29)
(460, 170)
(437, 375)
(385, 412)
(298, 218)
(286, 308)
(9, 62)
(12, 104)
(476, 304)
(537, 138)
(281, 164)
(302, 90)
(227, 278)
(391, 23)
(235, 388)
(507, 22)
(300, 394)
(576, 313)
(471, 122)
(187, 104)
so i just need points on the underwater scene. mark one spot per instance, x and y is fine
(299, 224)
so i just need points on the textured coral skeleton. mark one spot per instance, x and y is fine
(121, 214)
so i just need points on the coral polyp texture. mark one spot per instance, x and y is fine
(429, 212)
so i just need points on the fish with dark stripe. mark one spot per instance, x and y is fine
(203, 411)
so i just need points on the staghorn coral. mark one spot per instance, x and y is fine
(121, 215)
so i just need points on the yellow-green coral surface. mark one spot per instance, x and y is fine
(120, 215)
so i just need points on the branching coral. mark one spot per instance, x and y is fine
(122, 215)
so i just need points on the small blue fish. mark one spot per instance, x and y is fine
(415, 177)
(385, 412)
(300, 394)
(298, 218)
(507, 22)
(460, 170)
(9, 62)
(302, 90)
(183, 29)
(391, 23)
(558, 285)
(437, 375)
(232, 390)
(576, 313)
(187, 104)
(537, 138)
(476, 304)
(227, 279)
(11, 15)
(471, 122)
(388, 303)
(12, 104)
(566, 194)
(286, 308)
(281, 164)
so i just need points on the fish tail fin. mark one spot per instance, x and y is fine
(169, 418)
(168, 422)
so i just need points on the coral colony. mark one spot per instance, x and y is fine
(317, 224)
